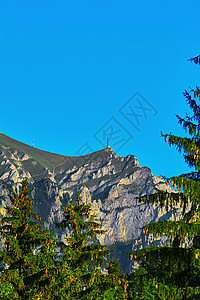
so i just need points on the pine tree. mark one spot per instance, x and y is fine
(173, 271)
(24, 268)
(81, 275)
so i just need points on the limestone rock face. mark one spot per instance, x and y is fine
(109, 183)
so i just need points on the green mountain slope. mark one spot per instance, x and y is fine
(47, 159)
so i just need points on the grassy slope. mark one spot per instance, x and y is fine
(47, 159)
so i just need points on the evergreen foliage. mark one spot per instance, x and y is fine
(24, 271)
(84, 258)
(31, 266)
(173, 271)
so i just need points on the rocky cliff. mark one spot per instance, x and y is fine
(108, 182)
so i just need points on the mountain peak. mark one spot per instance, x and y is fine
(110, 183)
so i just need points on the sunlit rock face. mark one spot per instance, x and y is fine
(109, 183)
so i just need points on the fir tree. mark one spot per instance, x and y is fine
(173, 271)
(81, 265)
(24, 269)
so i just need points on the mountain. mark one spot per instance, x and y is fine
(110, 183)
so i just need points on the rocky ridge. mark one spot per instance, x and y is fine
(108, 182)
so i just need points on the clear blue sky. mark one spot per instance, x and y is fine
(75, 72)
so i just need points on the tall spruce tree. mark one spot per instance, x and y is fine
(26, 273)
(173, 271)
(81, 275)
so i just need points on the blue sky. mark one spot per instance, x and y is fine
(74, 72)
